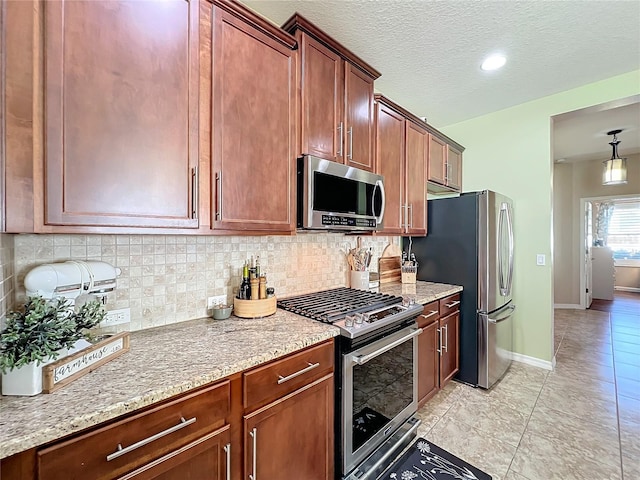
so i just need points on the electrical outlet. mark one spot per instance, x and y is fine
(211, 301)
(540, 259)
(116, 317)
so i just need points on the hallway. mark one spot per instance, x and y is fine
(581, 421)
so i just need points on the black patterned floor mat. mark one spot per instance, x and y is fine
(426, 461)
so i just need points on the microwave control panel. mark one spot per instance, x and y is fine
(345, 221)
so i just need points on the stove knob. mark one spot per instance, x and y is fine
(365, 317)
(358, 319)
(348, 321)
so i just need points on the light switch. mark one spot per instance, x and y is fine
(540, 259)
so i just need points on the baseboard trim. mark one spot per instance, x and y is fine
(572, 306)
(535, 362)
(627, 289)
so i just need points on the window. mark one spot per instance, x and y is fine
(624, 230)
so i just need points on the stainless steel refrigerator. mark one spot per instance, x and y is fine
(469, 242)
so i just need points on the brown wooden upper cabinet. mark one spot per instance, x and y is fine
(336, 98)
(121, 113)
(401, 146)
(253, 131)
(445, 164)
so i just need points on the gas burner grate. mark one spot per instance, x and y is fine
(330, 306)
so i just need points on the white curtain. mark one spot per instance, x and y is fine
(603, 218)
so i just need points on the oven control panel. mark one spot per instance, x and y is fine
(358, 324)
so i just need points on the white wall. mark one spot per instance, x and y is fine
(510, 151)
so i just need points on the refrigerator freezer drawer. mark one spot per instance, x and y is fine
(495, 345)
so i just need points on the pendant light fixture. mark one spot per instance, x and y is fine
(615, 169)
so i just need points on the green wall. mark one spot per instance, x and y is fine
(509, 151)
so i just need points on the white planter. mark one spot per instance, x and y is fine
(26, 380)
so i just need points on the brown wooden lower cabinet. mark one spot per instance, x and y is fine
(293, 436)
(206, 458)
(438, 345)
(199, 435)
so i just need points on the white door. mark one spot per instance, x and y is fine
(588, 243)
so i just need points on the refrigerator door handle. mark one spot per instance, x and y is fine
(502, 318)
(510, 233)
(501, 276)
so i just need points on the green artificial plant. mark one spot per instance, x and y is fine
(43, 329)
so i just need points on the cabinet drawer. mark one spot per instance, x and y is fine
(120, 447)
(430, 314)
(449, 304)
(276, 379)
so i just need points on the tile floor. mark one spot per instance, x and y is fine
(581, 421)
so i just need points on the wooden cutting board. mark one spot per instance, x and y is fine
(391, 250)
(389, 269)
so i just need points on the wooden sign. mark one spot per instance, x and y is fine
(64, 371)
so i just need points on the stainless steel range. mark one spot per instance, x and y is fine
(376, 374)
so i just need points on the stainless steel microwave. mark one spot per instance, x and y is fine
(333, 196)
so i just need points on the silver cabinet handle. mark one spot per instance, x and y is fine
(311, 366)
(227, 450)
(452, 304)
(410, 208)
(194, 192)
(430, 314)
(341, 139)
(219, 195)
(350, 133)
(446, 337)
(401, 214)
(439, 349)
(362, 359)
(254, 435)
(122, 451)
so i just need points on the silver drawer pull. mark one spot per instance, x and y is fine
(430, 314)
(227, 450)
(452, 304)
(254, 463)
(311, 366)
(121, 451)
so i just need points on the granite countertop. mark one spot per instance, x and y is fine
(162, 362)
(421, 292)
(165, 361)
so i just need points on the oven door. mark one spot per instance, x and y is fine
(379, 393)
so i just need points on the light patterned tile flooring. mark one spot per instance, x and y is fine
(580, 421)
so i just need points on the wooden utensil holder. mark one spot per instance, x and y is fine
(254, 308)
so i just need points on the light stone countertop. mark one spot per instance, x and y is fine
(161, 363)
(421, 292)
(165, 361)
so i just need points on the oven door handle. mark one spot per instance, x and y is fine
(362, 359)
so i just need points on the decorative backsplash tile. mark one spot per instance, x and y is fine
(7, 282)
(167, 278)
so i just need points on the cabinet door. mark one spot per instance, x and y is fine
(416, 174)
(449, 358)
(359, 118)
(437, 160)
(121, 113)
(390, 164)
(253, 128)
(292, 437)
(454, 169)
(208, 457)
(428, 363)
(322, 122)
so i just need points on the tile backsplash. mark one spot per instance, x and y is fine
(7, 282)
(167, 278)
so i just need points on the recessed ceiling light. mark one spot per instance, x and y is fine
(493, 62)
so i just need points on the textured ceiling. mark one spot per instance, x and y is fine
(429, 52)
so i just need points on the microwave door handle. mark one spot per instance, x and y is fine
(380, 185)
